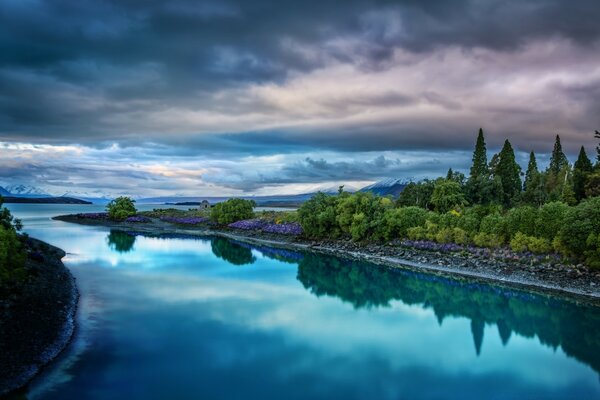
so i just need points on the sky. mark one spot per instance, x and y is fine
(241, 97)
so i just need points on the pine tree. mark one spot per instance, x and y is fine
(558, 159)
(509, 173)
(450, 174)
(533, 188)
(479, 179)
(479, 166)
(597, 136)
(581, 171)
(532, 171)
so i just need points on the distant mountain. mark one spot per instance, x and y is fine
(44, 200)
(4, 192)
(25, 191)
(385, 187)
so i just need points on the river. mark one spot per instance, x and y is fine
(179, 318)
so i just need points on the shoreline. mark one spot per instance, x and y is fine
(576, 282)
(38, 322)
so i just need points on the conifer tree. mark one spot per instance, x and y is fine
(479, 166)
(477, 187)
(581, 171)
(509, 173)
(558, 159)
(533, 188)
(597, 136)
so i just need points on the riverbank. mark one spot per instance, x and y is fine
(575, 281)
(37, 318)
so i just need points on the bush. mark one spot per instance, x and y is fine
(494, 224)
(361, 215)
(522, 243)
(521, 219)
(398, 221)
(318, 216)
(232, 210)
(447, 195)
(578, 224)
(550, 220)
(12, 251)
(488, 240)
(121, 208)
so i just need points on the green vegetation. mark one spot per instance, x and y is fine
(12, 250)
(121, 208)
(554, 211)
(232, 210)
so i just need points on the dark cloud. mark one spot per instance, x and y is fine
(66, 65)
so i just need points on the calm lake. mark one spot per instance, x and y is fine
(177, 318)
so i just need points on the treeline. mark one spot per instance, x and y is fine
(12, 249)
(555, 210)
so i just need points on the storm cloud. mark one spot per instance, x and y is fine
(205, 83)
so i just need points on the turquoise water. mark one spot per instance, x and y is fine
(176, 318)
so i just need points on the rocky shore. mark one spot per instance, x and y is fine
(548, 276)
(37, 317)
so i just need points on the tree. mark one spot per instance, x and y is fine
(417, 194)
(447, 195)
(121, 208)
(479, 187)
(318, 216)
(597, 136)
(479, 166)
(581, 171)
(533, 187)
(12, 251)
(558, 160)
(232, 210)
(509, 173)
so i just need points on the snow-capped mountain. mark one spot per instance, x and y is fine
(389, 186)
(4, 192)
(25, 191)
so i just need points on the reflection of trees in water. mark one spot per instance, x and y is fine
(231, 252)
(554, 321)
(120, 241)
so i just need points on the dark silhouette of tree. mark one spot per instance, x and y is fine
(231, 252)
(477, 326)
(509, 173)
(582, 169)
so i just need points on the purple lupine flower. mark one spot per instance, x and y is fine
(184, 220)
(249, 224)
(289, 228)
(100, 215)
(138, 219)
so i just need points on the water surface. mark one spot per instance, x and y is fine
(177, 318)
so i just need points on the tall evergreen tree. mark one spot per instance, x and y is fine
(532, 171)
(533, 188)
(479, 166)
(558, 159)
(597, 136)
(509, 173)
(479, 181)
(581, 171)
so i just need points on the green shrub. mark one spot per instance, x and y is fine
(361, 215)
(318, 216)
(232, 210)
(522, 242)
(521, 219)
(494, 224)
(12, 251)
(550, 220)
(121, 208)
(592, 252)
(491, 240)
(397, 221)
(417, 233)
(460, 236)
(447, 195)
(578, 224)
(445, 235)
